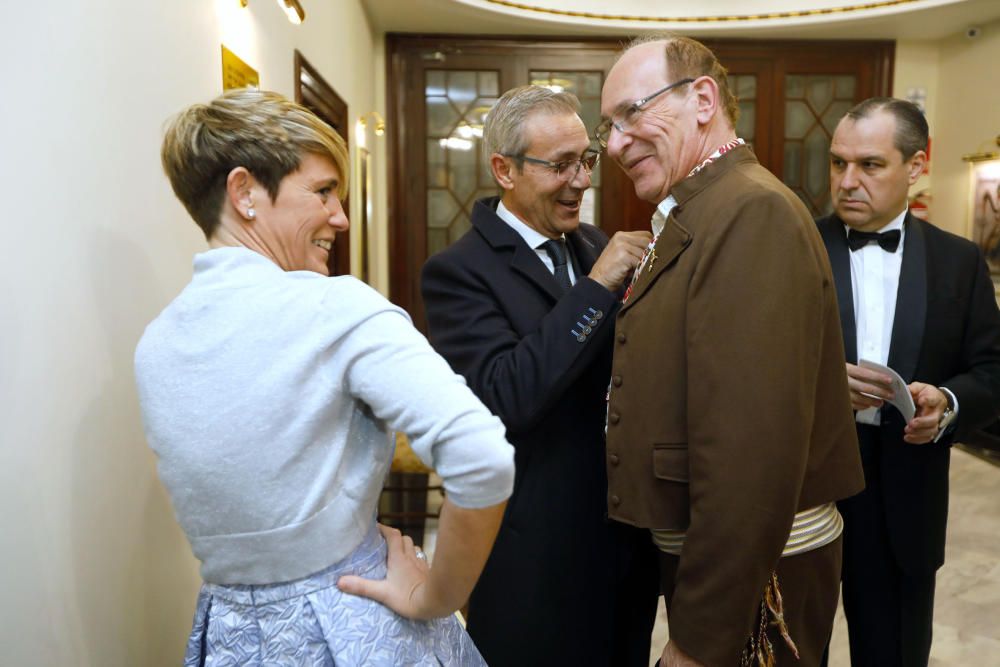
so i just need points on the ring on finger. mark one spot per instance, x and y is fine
(420, 554)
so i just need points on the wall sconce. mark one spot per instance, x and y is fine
(293, 10)
(244, 3)
(982, 156)
(379, 122)
(361, 128)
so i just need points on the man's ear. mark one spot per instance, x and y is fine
(706, 92)
(502, 168)
(239, 192)
(916, 167)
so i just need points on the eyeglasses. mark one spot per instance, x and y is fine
(625, 120)
(565, 170)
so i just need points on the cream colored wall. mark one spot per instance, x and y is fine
(917, 67)
(967, 120)
(963, 111)
(95, 570)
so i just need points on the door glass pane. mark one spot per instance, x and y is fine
(845, 86)
(798, 119)
(587, 88)
(793, 164)
(744, 87)
(814, 104)
(456, 103)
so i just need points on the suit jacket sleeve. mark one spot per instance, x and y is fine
(759, 302)
(518, 377)
(977, 386)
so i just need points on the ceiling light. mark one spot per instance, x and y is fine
(456, 143)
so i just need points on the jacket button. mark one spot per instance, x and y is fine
(599, 314)
(581, 338)
(614, 418)
(613, 458)
(621, 338)
(616, 380)
(615, 500)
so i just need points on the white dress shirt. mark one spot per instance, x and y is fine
(664, 208)
(535, 240)
(875, 284)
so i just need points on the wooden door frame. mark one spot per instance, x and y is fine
(408, 242)
(324, 101)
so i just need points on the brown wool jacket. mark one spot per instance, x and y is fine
(729, 407)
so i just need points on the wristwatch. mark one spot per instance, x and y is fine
(947, 417)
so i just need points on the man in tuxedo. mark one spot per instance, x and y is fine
(919, 300)
(523, 307)
(729, 426)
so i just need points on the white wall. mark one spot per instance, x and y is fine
(94, 569)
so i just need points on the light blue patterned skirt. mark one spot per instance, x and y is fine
(310, 622)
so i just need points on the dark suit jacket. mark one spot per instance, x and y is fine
(541, 363)
(946, 331)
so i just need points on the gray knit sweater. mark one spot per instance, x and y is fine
(270, 397)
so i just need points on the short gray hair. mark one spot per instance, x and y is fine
(503, 131)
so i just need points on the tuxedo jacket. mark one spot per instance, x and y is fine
(945, 332)
(541, 362)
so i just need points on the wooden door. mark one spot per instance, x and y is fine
(440, 89)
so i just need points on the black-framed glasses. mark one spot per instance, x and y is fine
(564, 169)
(624, 120)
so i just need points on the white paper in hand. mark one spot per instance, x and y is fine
(901, 398)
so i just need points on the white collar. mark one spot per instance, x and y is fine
(531, 236)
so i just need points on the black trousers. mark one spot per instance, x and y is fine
(635, 598)
(889, 611)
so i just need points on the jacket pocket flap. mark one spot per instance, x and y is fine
(670, 461)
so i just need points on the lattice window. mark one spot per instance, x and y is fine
(457, 174)
(813, 106)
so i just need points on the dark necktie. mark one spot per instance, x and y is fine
(888, 240)
(557, 251)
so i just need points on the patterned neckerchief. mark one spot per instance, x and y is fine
(649, 252)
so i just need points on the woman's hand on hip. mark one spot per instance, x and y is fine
(403, 589)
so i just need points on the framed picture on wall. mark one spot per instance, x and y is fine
(986, 213)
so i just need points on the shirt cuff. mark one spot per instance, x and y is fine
(954, 400)
(954, 410)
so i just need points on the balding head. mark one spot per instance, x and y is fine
(665, 111)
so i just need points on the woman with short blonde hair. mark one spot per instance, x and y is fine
(270, 391)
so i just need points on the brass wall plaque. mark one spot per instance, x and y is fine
(236, 73)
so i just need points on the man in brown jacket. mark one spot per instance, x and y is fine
(730, 432)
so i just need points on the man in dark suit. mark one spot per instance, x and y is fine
(523, 307)
(919, 300)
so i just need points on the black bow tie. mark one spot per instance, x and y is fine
(888, 240)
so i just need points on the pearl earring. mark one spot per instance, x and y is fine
(251, 213)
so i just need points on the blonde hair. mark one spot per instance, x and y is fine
(688, 59)
(262, 131)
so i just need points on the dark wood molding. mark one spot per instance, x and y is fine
(313, 92)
